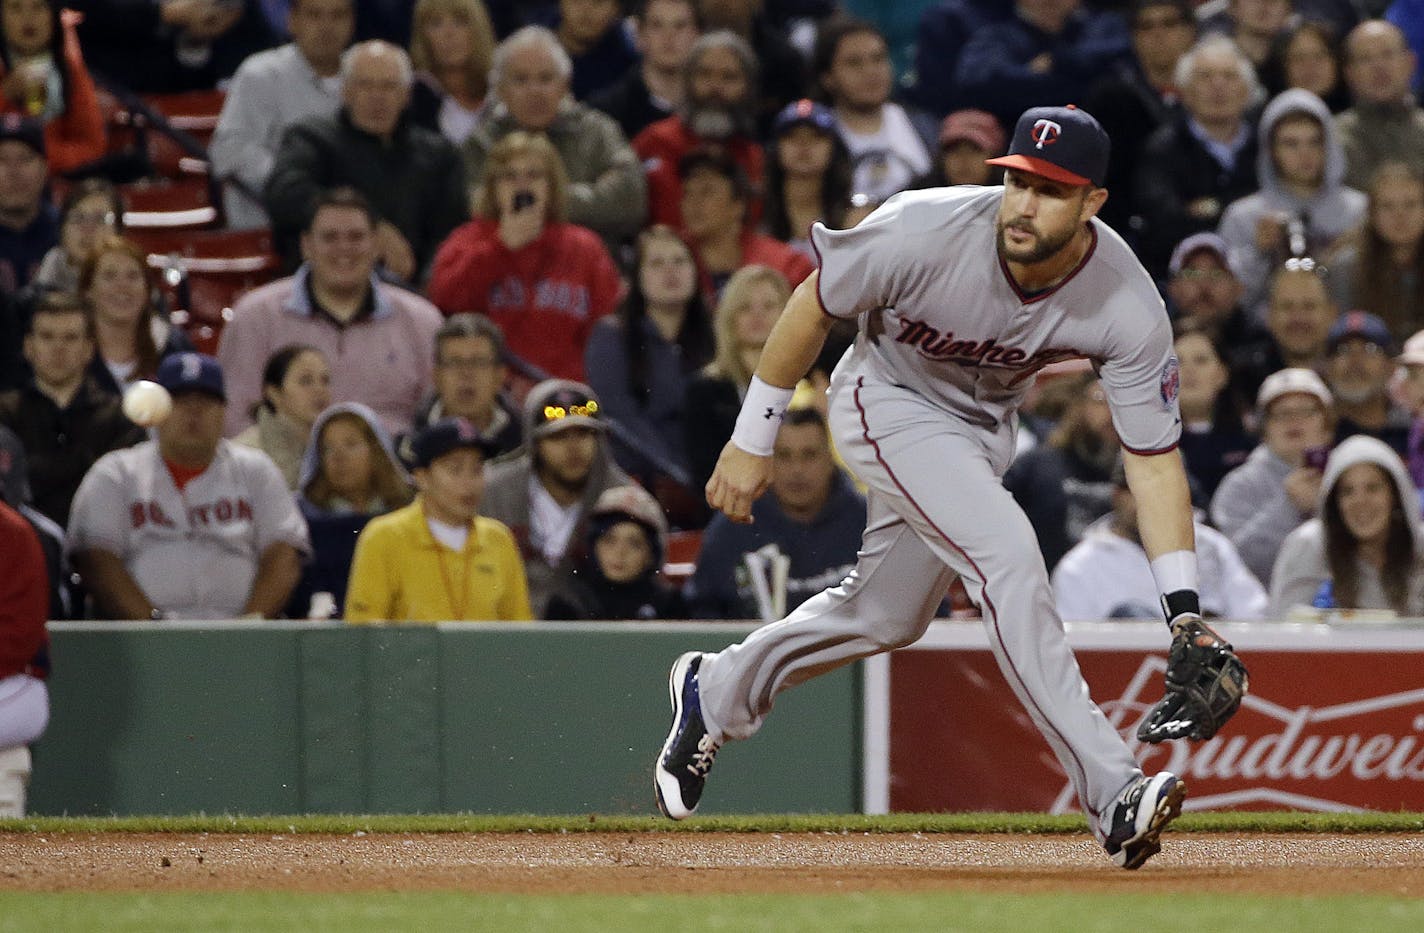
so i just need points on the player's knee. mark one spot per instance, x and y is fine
(895, 630)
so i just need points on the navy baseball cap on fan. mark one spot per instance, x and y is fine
(439, 438)
(1064, 144)
(1360, 325)
(804, 112)
(191, 372)
(23, 130)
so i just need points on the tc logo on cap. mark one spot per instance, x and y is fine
(1045, 133)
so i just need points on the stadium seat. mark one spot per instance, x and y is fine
(681, 558)
(202, 274)
(182, 204)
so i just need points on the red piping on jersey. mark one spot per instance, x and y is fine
(983, 589)
(819, 300)
(1151, 453)
(1023, 297)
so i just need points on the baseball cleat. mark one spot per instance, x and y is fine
(1141, 813)
(688, 753)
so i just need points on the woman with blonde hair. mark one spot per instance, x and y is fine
(451, 46)
(544, 281)
(131, 332)
(750, 304)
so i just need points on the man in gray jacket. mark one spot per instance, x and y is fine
(1264, 499)
(544, 490)
(529, 90)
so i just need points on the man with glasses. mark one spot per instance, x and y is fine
(1263, 500)
(469, 382)
(1358, 369)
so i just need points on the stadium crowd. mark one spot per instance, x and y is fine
(522, 258)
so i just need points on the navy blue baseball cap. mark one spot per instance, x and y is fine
(439, 438)
(1360, 325)
(804, 112)
(191, 372)
(1064, 144)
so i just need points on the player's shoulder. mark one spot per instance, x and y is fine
(938, 207)
(1118, 275)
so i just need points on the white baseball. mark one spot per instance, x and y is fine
(147, 403)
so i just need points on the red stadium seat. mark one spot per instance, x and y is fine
(176, 204)
(681, 557)
(203, 273)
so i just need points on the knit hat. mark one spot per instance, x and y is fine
(630, 504)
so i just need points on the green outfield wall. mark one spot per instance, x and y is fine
(268, 718)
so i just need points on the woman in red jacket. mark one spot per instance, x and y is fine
(545, 282)
(43, 76)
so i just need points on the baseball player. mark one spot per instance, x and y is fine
(962, 295)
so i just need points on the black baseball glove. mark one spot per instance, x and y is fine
(1206, 682)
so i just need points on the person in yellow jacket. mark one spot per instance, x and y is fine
(435, 559)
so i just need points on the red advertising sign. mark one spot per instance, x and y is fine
(1339, 726)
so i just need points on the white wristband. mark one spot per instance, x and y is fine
(1175, 571)
(760, 417)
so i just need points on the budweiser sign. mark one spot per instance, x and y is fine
(1355, 753)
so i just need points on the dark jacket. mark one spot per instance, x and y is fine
(127, 41)
(62, 444)
(943, 32)
(416, 181)
(1131, 110)
(176, 341)
(506, 433)
(629, 101)
(710, 408)
(822, 552)
(1175, 171)
(1062, 493)
(592, 596)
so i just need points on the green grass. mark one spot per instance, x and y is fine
(432, 913)
(760, 823)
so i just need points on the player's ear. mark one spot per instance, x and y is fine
(1093, 202)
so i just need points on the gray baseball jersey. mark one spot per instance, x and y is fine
(923, 408)
(193, 552)
(951, 325)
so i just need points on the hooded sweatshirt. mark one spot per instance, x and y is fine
(334, 531)
(1252, 509)
(1302, 572)
(508, 496)
(1333, 210)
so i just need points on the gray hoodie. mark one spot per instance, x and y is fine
(1301, 567)
(508, 486)
(1252, 509)
(1333, 210)
(311, 458)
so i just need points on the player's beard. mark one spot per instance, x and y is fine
(1043, 247)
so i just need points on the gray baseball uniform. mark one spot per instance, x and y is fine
(924, 410)
(193, 552)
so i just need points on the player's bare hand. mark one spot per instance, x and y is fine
(739, 480)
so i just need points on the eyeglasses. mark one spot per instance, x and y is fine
(1204, 275)
(468, 362)
(585, 409)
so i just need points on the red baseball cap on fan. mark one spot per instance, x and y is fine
(1064, 144)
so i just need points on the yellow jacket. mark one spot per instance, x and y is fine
(401, 573)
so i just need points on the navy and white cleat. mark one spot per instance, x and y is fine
(688, 753)
(1141, 813)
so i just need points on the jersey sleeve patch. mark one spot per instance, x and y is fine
(1170, 382)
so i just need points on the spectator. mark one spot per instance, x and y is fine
(1254, 25)
(750, 305)
(29, 226)
(967, 140)
(40, 57)
(1106, 575)
(781, 75)
(620, 576)
(92, 210)
(944, 31)
(1408, 15)
(718, 107)
(63, 419)
(271, 91)
(1264, 499)
(296, 388)
(1411, 395)
(1203, 293)
(436, 559)
(889, 146)
(1140, 94)
(376, 337)
(716, 199)
(592, 32)
(451, 47)
(1308, 56)
(640, 360)
(808, 177)
(812, 518)
(24, 656)
(1049, 52)
(1065, 484)
(663, 31)
(1298, 319)
(1364, 549)
(411, 176)
(1302, 207)
(189, 525)
(545, 282)
(530, 79)
(131, 333)
(545, 491)
(1384, 124)
(1379, 268)
(1202, 160)
(15, 492)
(470, 374)
(1358, 368)
(171, 45)
(1214, 440)
(349, 475)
